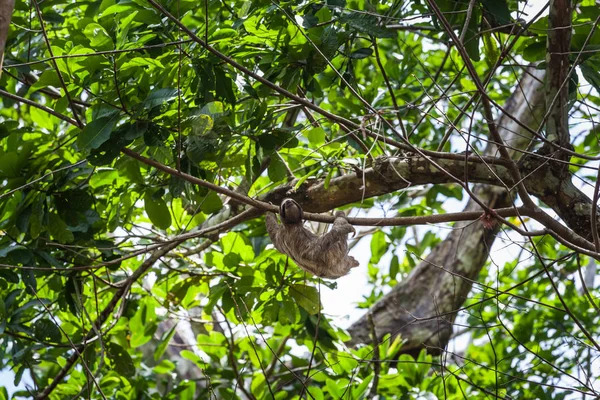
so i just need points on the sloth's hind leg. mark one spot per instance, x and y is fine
(338, 235)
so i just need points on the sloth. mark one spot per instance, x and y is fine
(324, 256)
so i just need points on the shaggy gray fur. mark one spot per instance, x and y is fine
(324, 256)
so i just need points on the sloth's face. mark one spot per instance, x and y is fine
(290, 212)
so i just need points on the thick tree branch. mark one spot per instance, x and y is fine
(387, 176)
(557, 72)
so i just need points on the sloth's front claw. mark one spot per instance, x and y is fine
(352, 230)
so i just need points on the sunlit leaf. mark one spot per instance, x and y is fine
(307, 297)
(157, 211)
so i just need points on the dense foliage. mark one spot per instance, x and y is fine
(120, 278)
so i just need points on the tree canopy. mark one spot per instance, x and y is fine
(142, 142)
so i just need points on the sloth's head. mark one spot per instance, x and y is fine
(290, 212)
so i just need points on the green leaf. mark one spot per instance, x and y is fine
(201, 125)
(99, 38)
(214, 109)
(316, 136)
(334, 390)
(307, 297)
(141, 62)
(202, 148)
(117, 9)
(362, 53)
(535, 51)
(492, 53)
(143, 324)
(46, 330)
(328, 178)
(121, 360)
(59, 230)
(316, 393)
(287, 312)
(48, 78)
(9, 276)
(394, 267)
(159, 96)
(305, 177)
(277, 170)
(9, 165)
(157, 211)
(164, 342)
(499, 9)
(28, 278)
(590, 71)
(258, 385)
(361, 389)
(3, 316)
(96, 132)
(224, 86)
(379, 246)
(237, 243)
(211, 203)
(472, 35)
(368, 24)
(164, 367)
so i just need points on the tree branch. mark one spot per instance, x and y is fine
(557, 71)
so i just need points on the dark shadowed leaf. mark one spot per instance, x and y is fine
(121, 360)
(362, 53)
(47, 330)
(368, 24)
(159, 96)
(96, 132)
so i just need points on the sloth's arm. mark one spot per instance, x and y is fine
(273, 229)
(339, 232)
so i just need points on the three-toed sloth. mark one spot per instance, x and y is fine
(324, 256)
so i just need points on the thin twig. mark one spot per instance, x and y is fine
(59, 74)
(376, 357)
(230, 348)
(50, 111)
(465, 28)
(594, 216)
(312, 354)
(98, 53)
(585, 288)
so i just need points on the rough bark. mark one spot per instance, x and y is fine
(551, 183)
(6, 10)
(422, 308)
(558, 68)
(388, 174)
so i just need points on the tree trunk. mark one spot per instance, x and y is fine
(6, 10)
